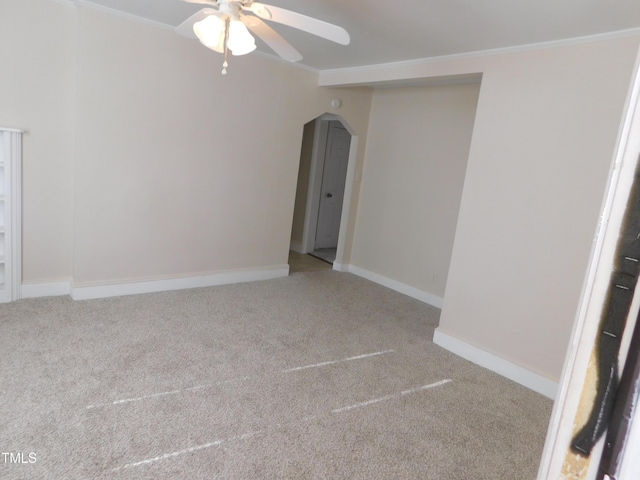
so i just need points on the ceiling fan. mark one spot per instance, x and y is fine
(225, 24)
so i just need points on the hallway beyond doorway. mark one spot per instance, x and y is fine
(326, 254)
(299, 262)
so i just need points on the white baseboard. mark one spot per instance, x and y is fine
(492, 362)
(52, 289)
(80, 292)
(340, 267)
(403, 288)
(161, 285)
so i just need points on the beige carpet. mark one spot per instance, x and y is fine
(319, 375)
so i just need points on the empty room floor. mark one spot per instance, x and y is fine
(319, 375)
(299, 262)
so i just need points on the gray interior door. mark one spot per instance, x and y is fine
(334, 175)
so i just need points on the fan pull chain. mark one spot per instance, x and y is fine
(226, 47)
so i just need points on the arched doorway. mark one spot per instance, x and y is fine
(323, 194)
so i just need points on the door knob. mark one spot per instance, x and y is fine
(329, 195)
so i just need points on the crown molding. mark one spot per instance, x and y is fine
(324, 75)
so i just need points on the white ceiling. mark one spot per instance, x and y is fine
(384, 31)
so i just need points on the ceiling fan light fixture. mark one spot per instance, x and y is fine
(210, 32)
(227, 26)
(240, 40)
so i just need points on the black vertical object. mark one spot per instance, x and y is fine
(626, 402)
(618, 302)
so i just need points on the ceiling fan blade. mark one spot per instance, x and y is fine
(186, 28)
(271, 38)
(203, 2)
(301, 22)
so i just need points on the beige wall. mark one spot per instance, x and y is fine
(543, 141)
(542, 144)
(417, 151)
(144, 162)
(141, 161)
(37, 94)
